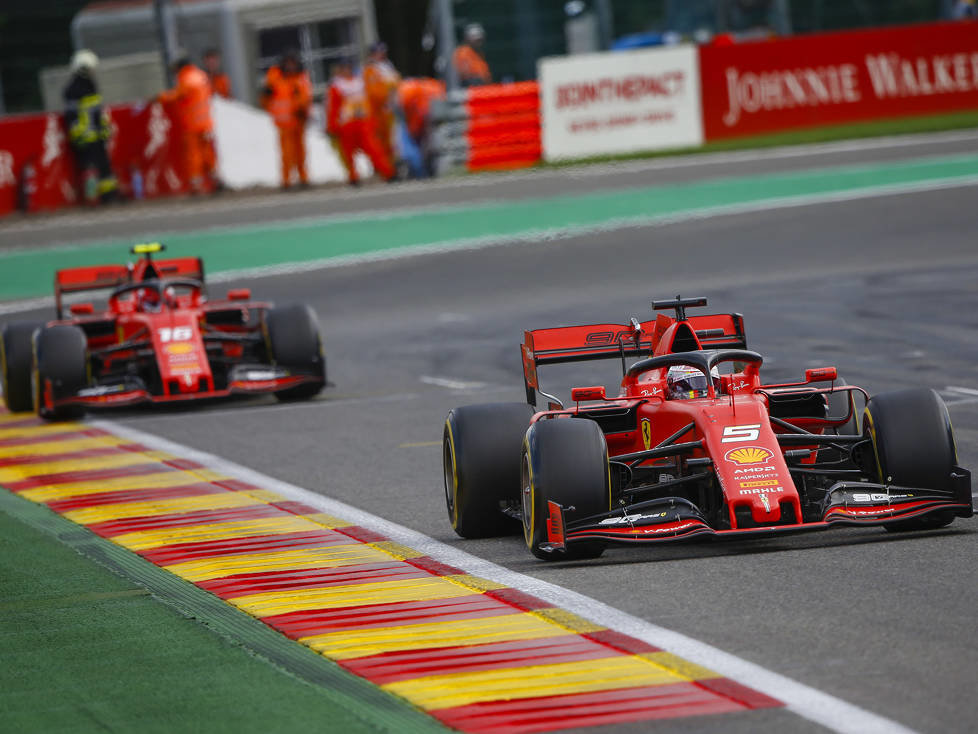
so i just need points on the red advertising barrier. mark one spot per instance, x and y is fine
(832, 78)
(37, 168)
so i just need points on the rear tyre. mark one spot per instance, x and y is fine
(295, 343)
(481, 459)
(914, 447)
(565, 460)
(60, 371)
(16, 363)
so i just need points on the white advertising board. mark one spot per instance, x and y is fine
(620, 102)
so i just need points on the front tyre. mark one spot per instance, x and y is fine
(481, 460)
(60, 371)
(913, 445)
(16, 363)
(565, 460)
(294, 342)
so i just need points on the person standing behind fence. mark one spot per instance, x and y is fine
(287, 96)
(348, 122)
(220, 82)
(381, 80)
(191, 98)
(88, 129)
(468, 59)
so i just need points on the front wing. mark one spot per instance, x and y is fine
(675, 518)
(135, 393)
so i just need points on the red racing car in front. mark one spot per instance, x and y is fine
(159, 339)
(694, 445)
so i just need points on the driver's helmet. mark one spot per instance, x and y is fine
(170, 296)
(148, 300)
(684, 382)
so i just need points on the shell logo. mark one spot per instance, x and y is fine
(747, 455)
(182, 348)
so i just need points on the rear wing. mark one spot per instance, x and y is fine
(98, 277)
(608, 341)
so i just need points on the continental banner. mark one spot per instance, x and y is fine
(620, 102)
(831, 78)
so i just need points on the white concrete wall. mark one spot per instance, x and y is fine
(248, 154)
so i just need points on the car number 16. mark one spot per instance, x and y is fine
(179, 334)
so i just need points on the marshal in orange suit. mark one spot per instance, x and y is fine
(348, 122)
(381, 80)
(191, 100)
(287, 96)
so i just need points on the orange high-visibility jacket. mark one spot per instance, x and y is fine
(192, 97)
(415, 96)
(380, 79)
(471, 67)
(221, 85)
(288, 97)
(347, 101)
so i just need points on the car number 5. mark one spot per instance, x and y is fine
(733, 434)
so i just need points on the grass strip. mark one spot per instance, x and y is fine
(90, 647)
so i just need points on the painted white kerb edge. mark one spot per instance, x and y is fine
(809, 703)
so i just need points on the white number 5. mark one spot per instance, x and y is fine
(732, 434)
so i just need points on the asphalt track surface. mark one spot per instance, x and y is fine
(884, 288)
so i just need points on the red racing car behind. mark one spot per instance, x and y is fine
(159, 339)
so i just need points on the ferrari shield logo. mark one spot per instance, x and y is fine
(647, 433)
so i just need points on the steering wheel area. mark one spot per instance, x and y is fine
(154, 295)
(703, 360)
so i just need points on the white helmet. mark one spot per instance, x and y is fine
(684, 382)
(474, 32)
(84, 60)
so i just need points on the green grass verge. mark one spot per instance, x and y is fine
(85, 650)
(876, 128)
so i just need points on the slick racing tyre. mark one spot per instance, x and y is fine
(913, 445)
(16, 362)
(481, 456)
(565, 460)
(60, 370)
(294, 343)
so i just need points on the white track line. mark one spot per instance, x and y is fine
(451, 384)
(809, 703)
(579, 171)
(557, 233)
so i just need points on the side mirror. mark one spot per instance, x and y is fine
(82, 309)
(239, 294)
(821, 374)
(587, 393)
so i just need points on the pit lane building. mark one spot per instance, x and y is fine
(250, 34)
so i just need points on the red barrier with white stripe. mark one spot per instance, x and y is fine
(38, 171)
(832, 78)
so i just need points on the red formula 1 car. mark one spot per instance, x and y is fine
(694, 445)
(159, 339)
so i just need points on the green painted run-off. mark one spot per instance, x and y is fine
(30, 273)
